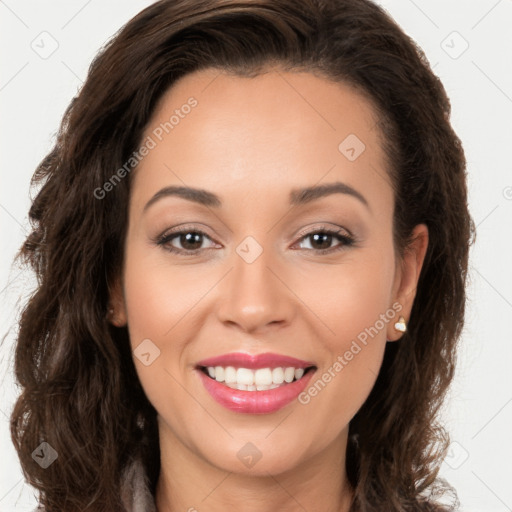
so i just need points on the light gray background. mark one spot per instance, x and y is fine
(36, 87)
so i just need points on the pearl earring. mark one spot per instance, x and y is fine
(401, 325)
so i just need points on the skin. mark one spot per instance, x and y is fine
(250, 141)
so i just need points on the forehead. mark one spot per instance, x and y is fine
(265, 134)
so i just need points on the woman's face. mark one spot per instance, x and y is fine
(287, 251)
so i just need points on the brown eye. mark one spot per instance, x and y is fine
(189, 241)
(322, 241)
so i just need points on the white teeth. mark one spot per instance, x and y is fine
(245, 376)
(277, 375)
(229, 375)
(263, 377)
(289, 374)
(219, 374)
(254, 380)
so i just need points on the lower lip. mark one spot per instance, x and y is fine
(255, 402)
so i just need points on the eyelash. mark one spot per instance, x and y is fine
(346, 240)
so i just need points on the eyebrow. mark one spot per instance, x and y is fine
(196, 195)
(298, 196)
(305, 195)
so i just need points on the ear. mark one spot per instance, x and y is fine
(116, 313)
(407, 276)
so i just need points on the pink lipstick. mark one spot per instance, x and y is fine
(254, 384)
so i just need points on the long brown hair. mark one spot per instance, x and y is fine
(80, 391)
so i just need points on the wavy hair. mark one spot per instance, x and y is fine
(79, 388)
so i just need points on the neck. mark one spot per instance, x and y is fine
(188, 482)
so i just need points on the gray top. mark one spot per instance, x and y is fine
(135, 491)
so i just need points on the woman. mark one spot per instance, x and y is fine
(251, 240)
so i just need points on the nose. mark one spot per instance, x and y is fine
(255, 297)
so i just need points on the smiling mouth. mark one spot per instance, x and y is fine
(261, 379)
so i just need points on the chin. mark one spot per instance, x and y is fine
(260, 457)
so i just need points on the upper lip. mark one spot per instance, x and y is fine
(244, 360)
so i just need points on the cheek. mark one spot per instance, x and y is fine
(349, 298)
(159, 295)
(160, 303)
(353, 301)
